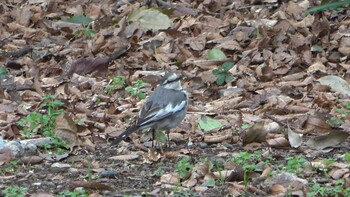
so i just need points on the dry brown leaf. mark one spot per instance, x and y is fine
(85, 66)
(151, 156)
(277, 189)
(257, 133)
(217, 139)
(124, 157)
(189, 183)
(42, 195)
(334, 138)
(90, 185)
(201, 169)
(6, 155)
(173, 179)
(171, 154)
(316, 124)
(278, 142)
(338, 173)
(266, 172)
(67, 130)
(31, 160)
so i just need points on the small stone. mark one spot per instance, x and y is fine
(231, 91)
(108, 174)
(203, 145)
(60, 165)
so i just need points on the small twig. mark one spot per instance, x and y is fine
(296, 130)
(139, 146)
(18, 53)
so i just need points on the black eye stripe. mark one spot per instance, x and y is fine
(170, 81)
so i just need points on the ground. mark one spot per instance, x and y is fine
(267, 81)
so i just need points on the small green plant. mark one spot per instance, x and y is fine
(44, 122)
(115, 83)
(184, 166)
(14, 191)
(335, 121)
(136, 89)
(3, 72)
(328, 5)
(326, 190)
(79, 122)
(295, 164)
(247, 161)
(159, 171)
(245, 157)
(79, 192)
(89, 171)
(56, 146)
(246, 126)
(347, 157)
(85, 22)
(185, 194)
(346, 104)
(9, 168)
(219, 166)
(222, 73)
(246, 169)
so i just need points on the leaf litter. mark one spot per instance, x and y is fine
(268, 87)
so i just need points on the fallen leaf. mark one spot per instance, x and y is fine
(84, 66)
(150, 18)
(338, 173)
(277, 189)
(215, 54)
(124, 157)
(90, 185)
(334, 138)
(170, 178)
(67, 130)
(207, 124)
(6, 155)
(336, 83)
(257, 133)
(295, 139)
(31, 160)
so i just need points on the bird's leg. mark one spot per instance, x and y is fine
(152, 137)
(167, 133)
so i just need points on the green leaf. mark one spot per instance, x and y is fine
(214, 54)
(220, 80)
(337, 84)
(160, 136)
(150, 18)
(227, 66)
(228, 77)
(209, 183)
(207, 124)
(3, 72)
(89, 33)
(83, 20)
(246, 126)
(216, 71)
(328, 6)
(141, 95)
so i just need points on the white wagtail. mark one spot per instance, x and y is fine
(163, 110)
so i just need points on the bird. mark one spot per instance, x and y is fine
(163, 110)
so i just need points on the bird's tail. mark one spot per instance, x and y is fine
(125, 134)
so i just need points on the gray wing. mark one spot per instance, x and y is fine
(161, 104)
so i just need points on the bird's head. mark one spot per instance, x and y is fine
(171, 81)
